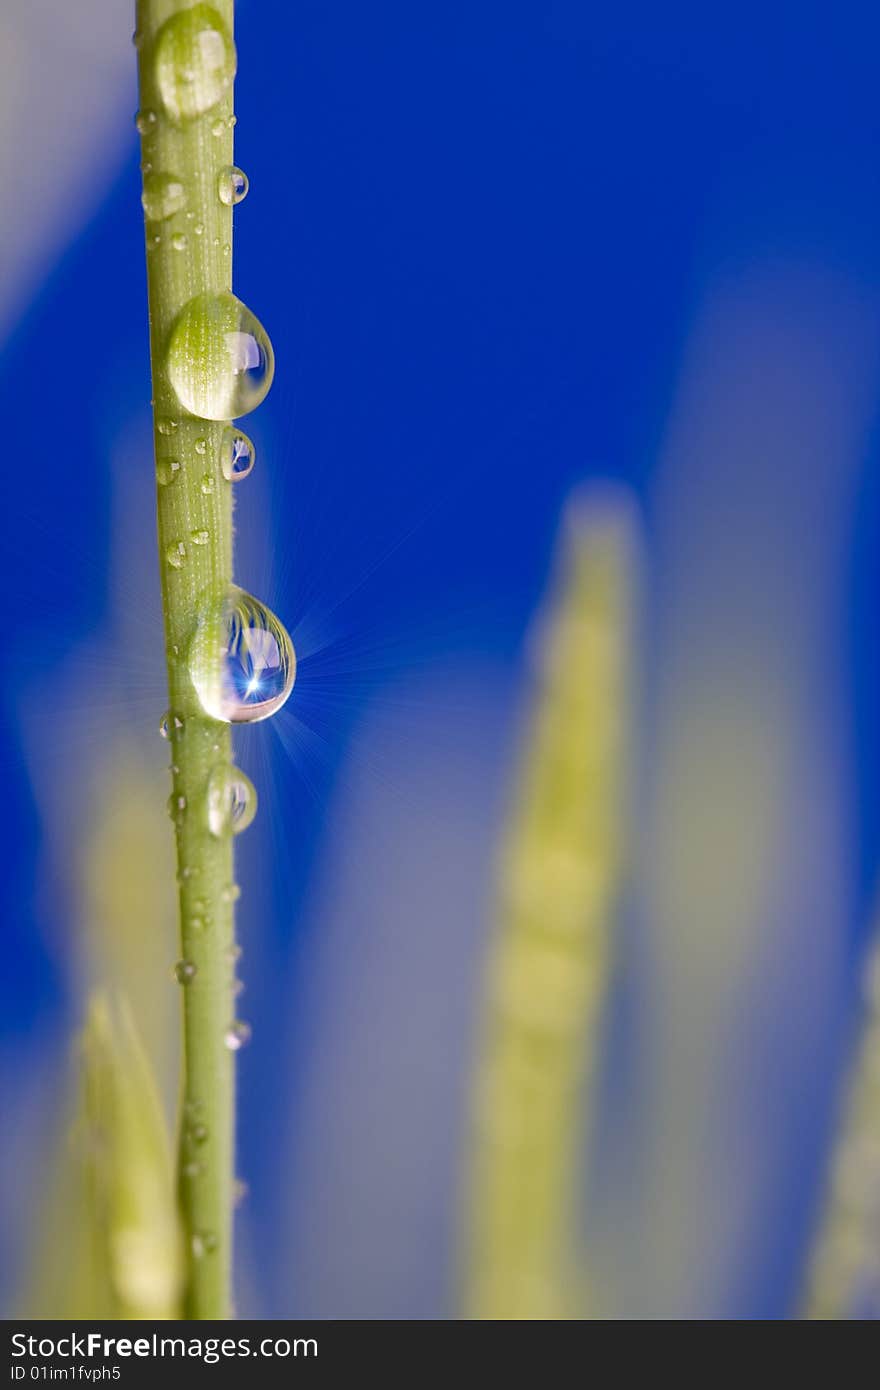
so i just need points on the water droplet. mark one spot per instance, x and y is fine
(166, 426)
(170, 725)
(231, 894)
(232, 185)
(241, 660)
(176, 554)
(184, 972)
(166, 471)
(179, 242)
(207, 483)
(195, 62)
(219, 358)
(196, 924)
(163, 196)
(226, 248)
(237, 455)
(218, 128)
(198, 1133)
(191, 1170)
(201, 446)
(232, 801)
(199, 537)
(236, 1035)
(200, 905)
(145, 122)
(203, 1244)
(199, 229)
(176, 807)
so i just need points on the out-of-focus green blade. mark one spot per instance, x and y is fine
(550, 955)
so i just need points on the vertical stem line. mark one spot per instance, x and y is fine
(189, 253)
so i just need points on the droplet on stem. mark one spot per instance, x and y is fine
(241, 659)
(219, 358)
(194, 62)
(232, 801)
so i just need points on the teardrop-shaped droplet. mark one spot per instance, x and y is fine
(194, 62)
(237, 455)
(163, 196)
(166, 471)
(237, 1034)
(232, 801)
(145, 121)
(185, 972)
(219, 359)
(232, 185)
(241, 659)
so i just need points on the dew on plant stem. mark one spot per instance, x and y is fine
(203, 1244)
(170, 724)
(241, 659)
(165, 426)
(232, 185)
(191, 1170)
(231, 894)
(207, 483)
(179, 242)
(232, 801)
(200, 537)
(163, 196)
(236, 1035)
(145, 122)
(201, 446)
(198, 1133)
(176, 807)
(185, 971)
(219, 359)
(194, 62)
(176, 554)
(167, 471)
(237, 455)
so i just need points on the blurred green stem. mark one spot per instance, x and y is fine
(188, 254)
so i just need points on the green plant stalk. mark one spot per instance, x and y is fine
(197, 500)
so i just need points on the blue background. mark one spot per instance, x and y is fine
(479, 237)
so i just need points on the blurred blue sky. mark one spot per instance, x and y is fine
(500, 250)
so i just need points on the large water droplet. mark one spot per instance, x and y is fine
(232, 185)
(163, 196)
(232, 801)
(195, 62)
(185, 971)
(241, 659)
(237, 455)
(219, 359)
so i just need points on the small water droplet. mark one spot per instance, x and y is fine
(153, 243)
(237, 455)
(176, 806)
(196, 924)
(199, 537)
(191, 1170)
(179, 242)
(218, 128)
(184, 972)
(232, 801)
(200, 905)
(203, 1244)
(145, 122)
(176, 554)
(232, 185)
(201, 446)
(236, 1035)
(185, 874)
(207, 483)
(167, 471)
(199, 229)
(198, 1133)
(231, 894)
(219, 359)
(163, 196)
(194, 62)
(241, 660)
(226, 248)
(166, 426)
